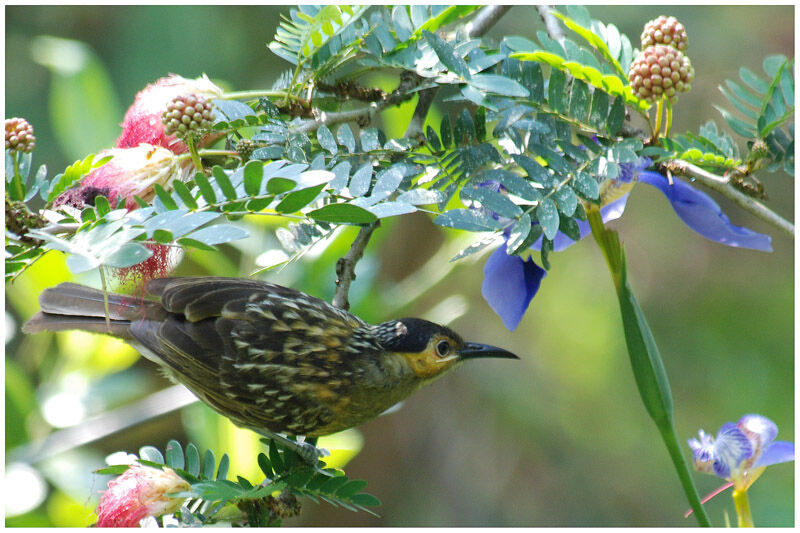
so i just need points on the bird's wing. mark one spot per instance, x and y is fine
(262, 354)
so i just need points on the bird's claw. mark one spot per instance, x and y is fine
(310, 453)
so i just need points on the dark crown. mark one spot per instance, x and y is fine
(411, 335)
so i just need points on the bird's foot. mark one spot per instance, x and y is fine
(310, 453)
(307, 451)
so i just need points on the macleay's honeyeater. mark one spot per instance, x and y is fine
(270, 358)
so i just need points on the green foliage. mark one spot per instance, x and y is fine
(309, 28)
(81, 93)
(710, 148)
(212, 497)
(609, 73)
(539, 140)
(73, 173)
(768, 108)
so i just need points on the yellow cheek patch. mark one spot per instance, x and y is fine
(426, 365)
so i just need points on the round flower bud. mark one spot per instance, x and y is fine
(187, 113)
(667, 31)
(143, 121)
(245, 148)
(660, 70)
(758, 150)
(19, 135)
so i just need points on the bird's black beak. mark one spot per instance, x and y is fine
(473, 350)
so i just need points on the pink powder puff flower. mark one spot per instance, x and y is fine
(140, 492)
(142, 122)
(131, 171)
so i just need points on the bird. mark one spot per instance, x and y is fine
(268, 357)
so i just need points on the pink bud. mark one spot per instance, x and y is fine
(142, 122)
(141, 491)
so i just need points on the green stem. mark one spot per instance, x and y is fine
(670, 438)
(659, 112)
(18, 189)
(213, 153)
(668, 125)
(646, 363)
(250, 95)
(742, 505)
(196, 161)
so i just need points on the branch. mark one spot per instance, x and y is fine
(346, 266)
(550, 23)
(363, 115)
(484, 20)
(722, 186)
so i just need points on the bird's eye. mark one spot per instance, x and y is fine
(442, 348)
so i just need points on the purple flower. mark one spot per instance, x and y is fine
(741, 451)
(702, 214)
(510, 283)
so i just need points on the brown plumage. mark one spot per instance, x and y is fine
(268, 357)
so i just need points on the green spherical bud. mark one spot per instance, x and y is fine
(188, 114)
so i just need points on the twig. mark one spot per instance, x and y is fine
(363, 115)
(722, 186)
(550, 23)
(484, 20)
(424, 103)
(360, 115)
(346, 266)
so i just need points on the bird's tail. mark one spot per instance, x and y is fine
(72, 306)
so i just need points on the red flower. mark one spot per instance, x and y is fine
(131, 171)
(142, 122)
(141, 491)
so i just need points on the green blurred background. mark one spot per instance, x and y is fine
(558, 438)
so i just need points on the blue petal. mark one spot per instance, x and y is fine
(609, 212)
(759, 428)
(509, 284)
(731, 447)
(701, 213)
(778, 452)
(703, 452)
(629, 171)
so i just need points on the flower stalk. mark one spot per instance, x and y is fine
(18, 190)
(648, 368)
(742, 504)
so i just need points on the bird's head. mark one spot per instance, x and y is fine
(431, 349)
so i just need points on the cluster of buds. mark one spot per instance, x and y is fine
(661, 70)
(19, 135)
(140, 492)
(667, 31)
(188, 115)
(245, 148)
